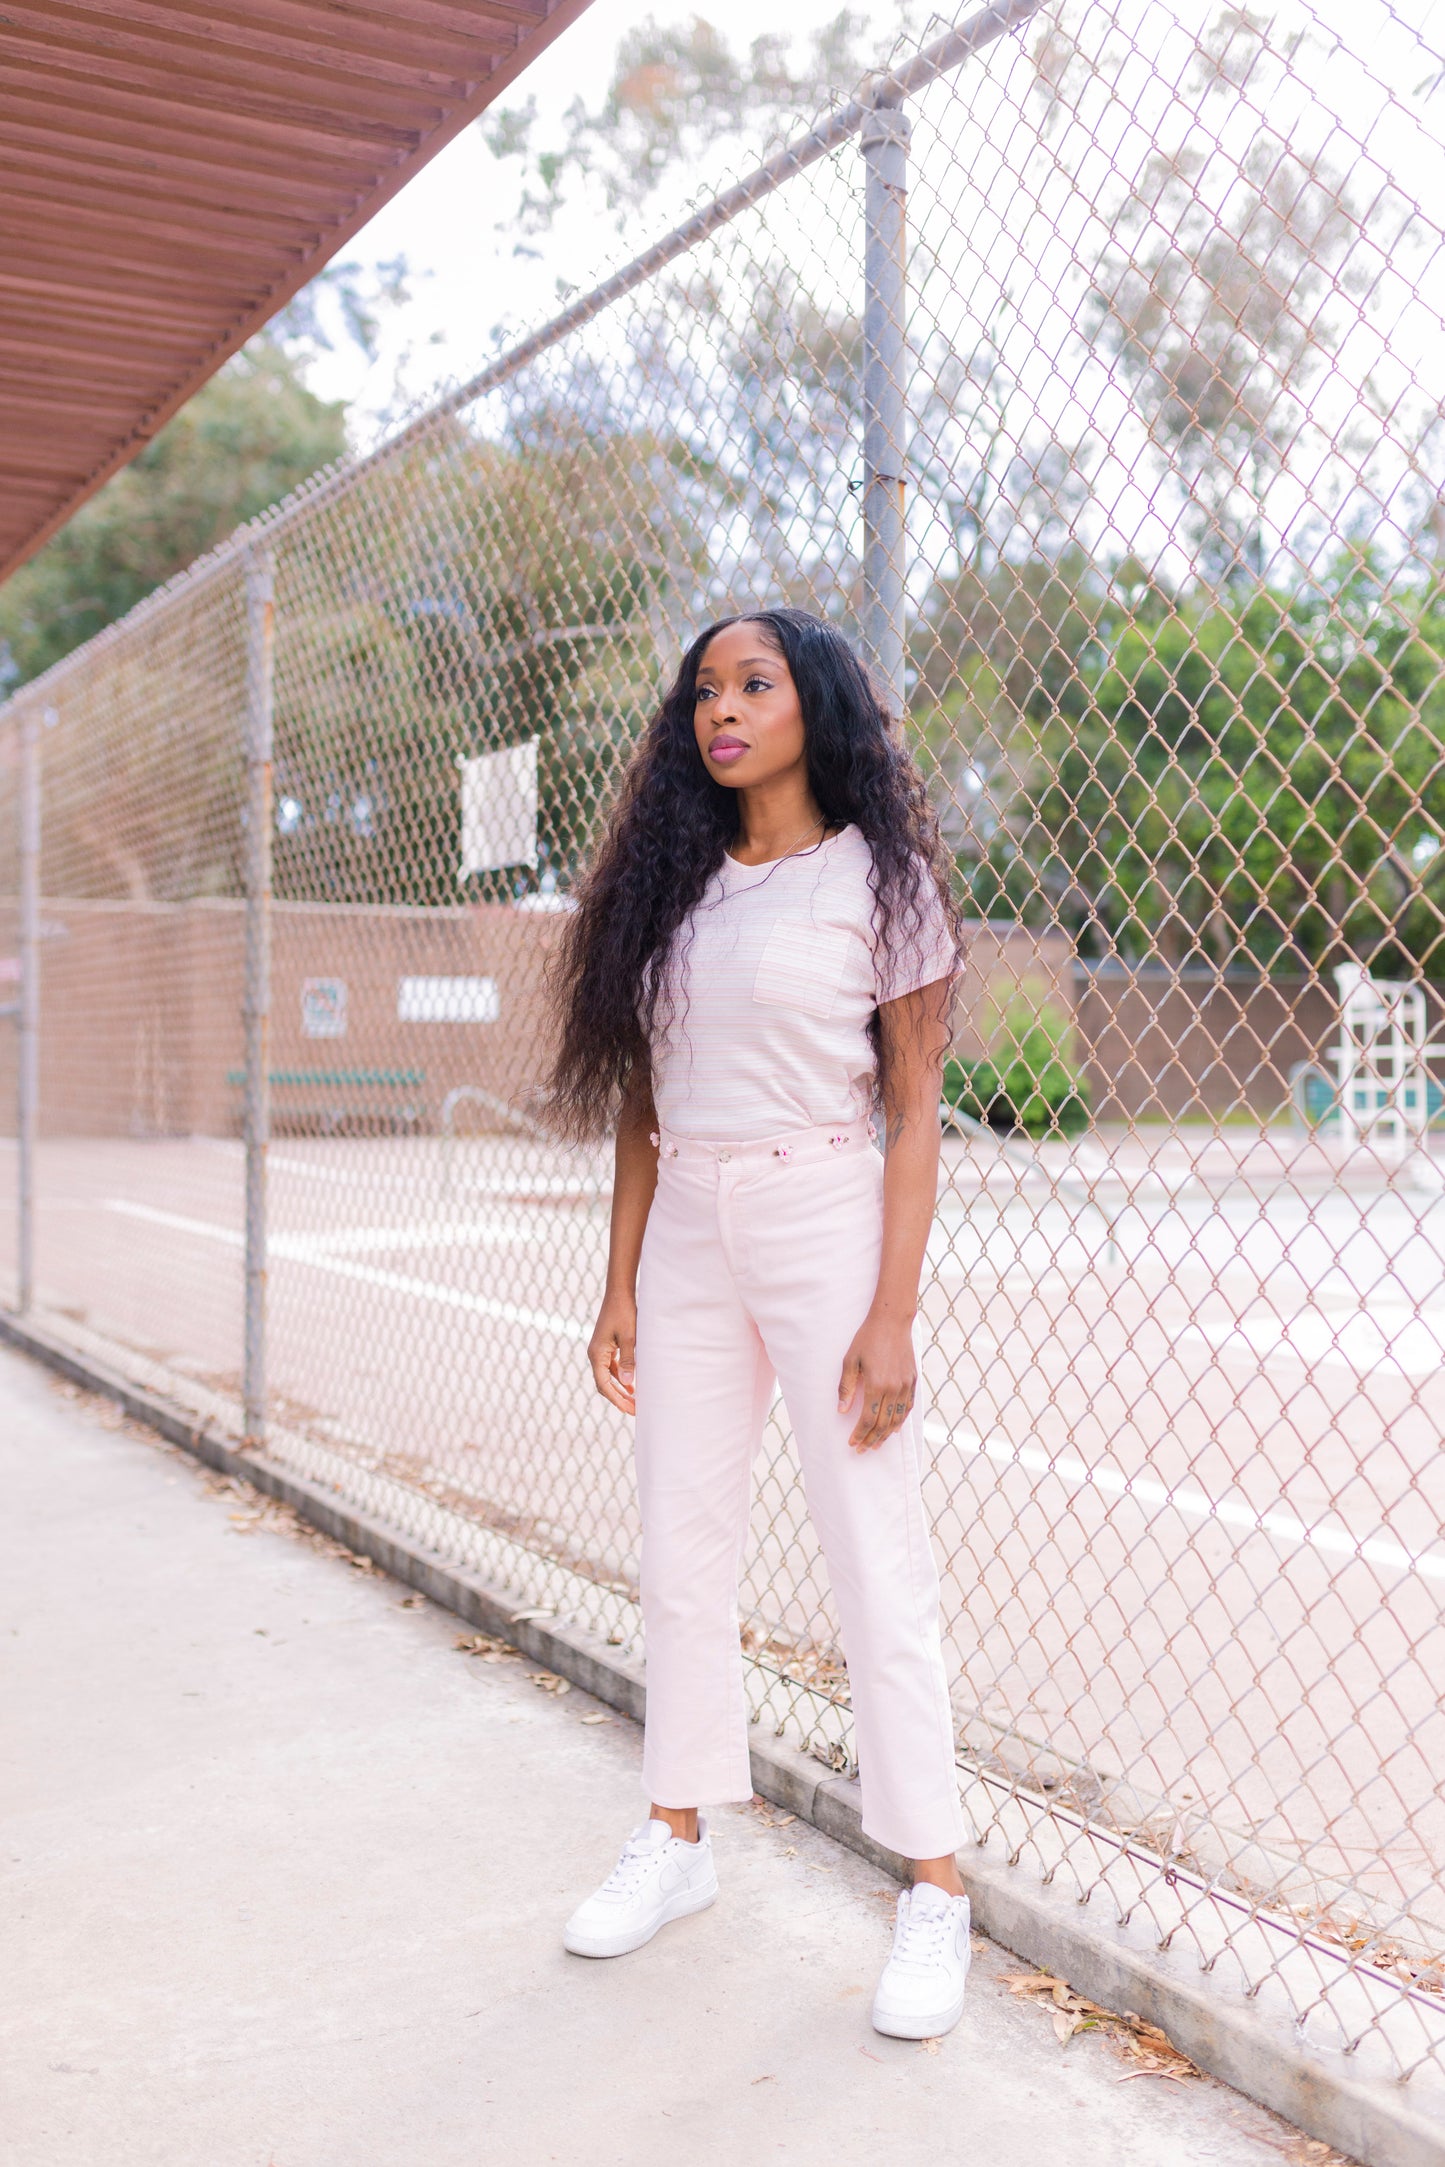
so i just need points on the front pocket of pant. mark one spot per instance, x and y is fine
(802, 967)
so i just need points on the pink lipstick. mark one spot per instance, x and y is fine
(726, 749)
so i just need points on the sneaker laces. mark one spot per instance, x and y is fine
(631, 1866)
(922, 1935)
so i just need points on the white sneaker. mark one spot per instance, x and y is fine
(657, 1878)
(920, 1995)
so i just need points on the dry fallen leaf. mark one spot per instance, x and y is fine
(550, 1682)
(929, 2046)
(484, 1647)
(1069, 2013)
(606, 1719)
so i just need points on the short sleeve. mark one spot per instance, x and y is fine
(919, 951)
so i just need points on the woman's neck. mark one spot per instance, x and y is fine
(773, 822)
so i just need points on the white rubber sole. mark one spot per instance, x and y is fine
(679, 1906)
(931, 2025)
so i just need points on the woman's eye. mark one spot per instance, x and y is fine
(704, 692)
(758, 684)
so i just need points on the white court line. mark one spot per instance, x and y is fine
(494, 1233)
(1191, 1504)
(294, 1249)
(565, 1188)
(544, 1188)
(441, 1234)
(1387, 1336)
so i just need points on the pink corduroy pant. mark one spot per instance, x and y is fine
(759, 1262)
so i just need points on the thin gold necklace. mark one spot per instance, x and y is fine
(820, 822)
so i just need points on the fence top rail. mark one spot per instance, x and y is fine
(946, 53)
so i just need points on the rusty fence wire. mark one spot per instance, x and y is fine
(1134, 491)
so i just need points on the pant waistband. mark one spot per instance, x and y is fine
(795, 1145)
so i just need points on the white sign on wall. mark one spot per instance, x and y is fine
(323, 1008)
(447, 1000)
(499, 809)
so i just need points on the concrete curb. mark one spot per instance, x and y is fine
(1217, 2026)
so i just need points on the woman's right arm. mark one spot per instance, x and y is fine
(612, 1350)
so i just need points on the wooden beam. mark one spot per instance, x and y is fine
(128, 302)
(236, 86)
(49, 353)
(154, 35)
(248, 167)
(96, 210)
(376, 31)
(298, 173)
(180, 118)
(130, 263)
(131, 236)
(108, 175)
(51, 401)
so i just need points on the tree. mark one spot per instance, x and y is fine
(675, 90)
(247, 437)
(1228, 278)
(510, 589)
(1256, 778)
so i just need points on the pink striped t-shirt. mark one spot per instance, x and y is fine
(772, 981)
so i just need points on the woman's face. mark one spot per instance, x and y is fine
(746, 715)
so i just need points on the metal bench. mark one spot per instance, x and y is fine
(342, 1101)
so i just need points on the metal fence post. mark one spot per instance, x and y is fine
(884, 143)
(28, 1051)
(260, 640)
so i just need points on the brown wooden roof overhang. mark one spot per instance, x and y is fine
(171, 174)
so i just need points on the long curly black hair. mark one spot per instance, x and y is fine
(666, 838)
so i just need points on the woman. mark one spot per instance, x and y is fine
(765, 948)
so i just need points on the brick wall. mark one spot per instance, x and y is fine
(141, 1015)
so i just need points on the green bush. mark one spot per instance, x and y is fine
(1032, 1081)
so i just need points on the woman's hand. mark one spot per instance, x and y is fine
(881, 1361)
(612, 1351)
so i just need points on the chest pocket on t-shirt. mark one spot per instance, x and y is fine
(802, 967)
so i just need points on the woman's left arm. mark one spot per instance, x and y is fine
(915, 1032)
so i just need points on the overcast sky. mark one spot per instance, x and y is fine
(468, 276)
(455, 222)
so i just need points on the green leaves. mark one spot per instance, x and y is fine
(1030, 1079)
(1254, 778)
(247, 437)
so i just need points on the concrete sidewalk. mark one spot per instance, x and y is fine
(286, 1875)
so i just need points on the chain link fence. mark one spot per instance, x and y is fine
(1143, 522)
